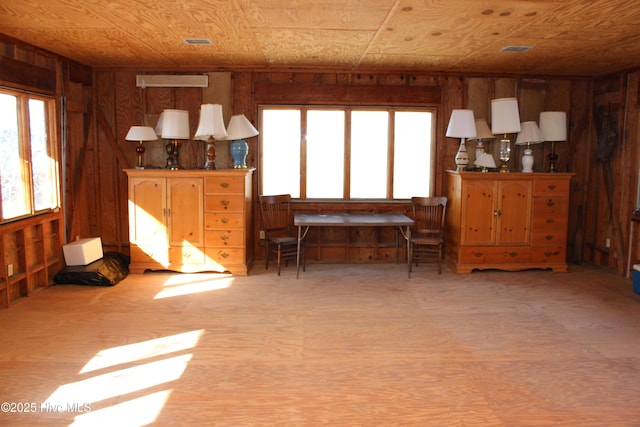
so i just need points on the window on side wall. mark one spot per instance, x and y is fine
(347, 153)
(29, 172)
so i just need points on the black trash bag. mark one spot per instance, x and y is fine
(107, 271)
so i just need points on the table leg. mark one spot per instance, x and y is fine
(409, 250)
(398, 243)
(298, 252)
(301, 237)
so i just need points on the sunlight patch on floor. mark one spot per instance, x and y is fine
(143, 350)
(186, 284)
(135, 412)
(85, 396)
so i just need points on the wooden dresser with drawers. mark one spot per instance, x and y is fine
(507, 221)
(190, 220)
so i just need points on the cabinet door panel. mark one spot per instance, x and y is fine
(147, 211)
(186, 211)
(478, 223)
(514, 212)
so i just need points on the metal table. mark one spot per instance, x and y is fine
(305, 221)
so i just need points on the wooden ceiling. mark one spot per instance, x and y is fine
(568, 38)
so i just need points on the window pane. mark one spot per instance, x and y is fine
(14, 190)
(281, 152)
(43, 166)
(325, 154)
(412, 146)
(369, 142)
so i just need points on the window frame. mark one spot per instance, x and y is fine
(348, 109)
(25, 151)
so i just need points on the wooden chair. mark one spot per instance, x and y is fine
(427, 237)
(281, 242)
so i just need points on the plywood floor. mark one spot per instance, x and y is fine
(346, 345)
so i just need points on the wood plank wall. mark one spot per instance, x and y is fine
(102, 105)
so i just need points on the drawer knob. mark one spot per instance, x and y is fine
(223, 254)
(552, 187)
(549, 237)
(224, 203)
(224, 220)
(549, 220)
(550, 203)
(224, 238)
(224, 184)
(477, 254)
(513, 254)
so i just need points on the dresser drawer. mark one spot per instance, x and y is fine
(224, 256)
(494, 254)
(224, 238)
(224, 185)
(555, 253)
(548, 222)
(157, 255)
(223, 221)
(186, 255)
(549, 237)
(555, 205)
(223, 203)
(551, 187)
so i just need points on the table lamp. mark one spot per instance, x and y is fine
(140, 134)
(482, 133)
(461, 125)
(529, 134)
(239, 128)
(553, 125)
(210, 128)
(505, 118)
(485, 162)
(174, 125)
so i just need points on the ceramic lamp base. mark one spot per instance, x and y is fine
(239, 151)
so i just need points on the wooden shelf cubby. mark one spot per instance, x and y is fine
(30, 255)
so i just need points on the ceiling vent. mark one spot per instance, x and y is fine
(516, 48)
(198, 42)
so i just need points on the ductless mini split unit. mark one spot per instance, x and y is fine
(172, 80)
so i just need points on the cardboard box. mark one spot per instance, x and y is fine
(636, 278)
(83, 251)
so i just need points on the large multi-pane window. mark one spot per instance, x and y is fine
(29, 179)
(346, 153)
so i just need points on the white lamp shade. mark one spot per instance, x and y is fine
(158, 128)
(461, 124)
(505, 116)
(529, 134)
(553, 125)
(175, 124)
(240, 128)
(211, 123)
(485, 160)
(482, 129)
(141, 133)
